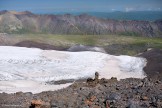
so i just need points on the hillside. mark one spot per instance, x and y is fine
(27, 22)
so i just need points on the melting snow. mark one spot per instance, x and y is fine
(29, 65)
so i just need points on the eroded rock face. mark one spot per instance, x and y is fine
(69, 24)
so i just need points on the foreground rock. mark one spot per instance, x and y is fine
(130, 93)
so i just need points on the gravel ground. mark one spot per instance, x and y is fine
(126, 93)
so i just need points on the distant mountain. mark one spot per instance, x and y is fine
(119, 15)
(132, 15)
(25, 22)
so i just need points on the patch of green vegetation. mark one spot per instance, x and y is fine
(81, 39)
(129, 34)
(21, 31)
(114, 44)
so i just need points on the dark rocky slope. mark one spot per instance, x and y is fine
(127, 93)
(43, 46)
(153, 68)
(25, 22)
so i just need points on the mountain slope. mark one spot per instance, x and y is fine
(21, 22)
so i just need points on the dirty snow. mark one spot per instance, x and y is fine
(33, 67)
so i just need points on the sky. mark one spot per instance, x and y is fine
(81, 5)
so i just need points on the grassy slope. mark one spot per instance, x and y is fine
(114, 44)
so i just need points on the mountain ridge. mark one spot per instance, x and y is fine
(22, 22)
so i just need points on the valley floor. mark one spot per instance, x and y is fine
(112, 44)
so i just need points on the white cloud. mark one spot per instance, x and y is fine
(113, 9)
(127, 9)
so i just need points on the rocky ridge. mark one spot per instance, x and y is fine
(25, 22)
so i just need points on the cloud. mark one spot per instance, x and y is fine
(113, 9)
(127, 9)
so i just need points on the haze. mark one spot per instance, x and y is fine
(47, 6)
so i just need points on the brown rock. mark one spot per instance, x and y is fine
(87, 102)
(144, 98)
(36, 103)
(92, 98)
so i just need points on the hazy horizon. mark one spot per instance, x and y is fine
(116, 15)
(49, 6)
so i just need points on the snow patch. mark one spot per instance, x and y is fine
(39, 66)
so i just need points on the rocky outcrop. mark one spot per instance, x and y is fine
(77, 48)
(21, 22)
